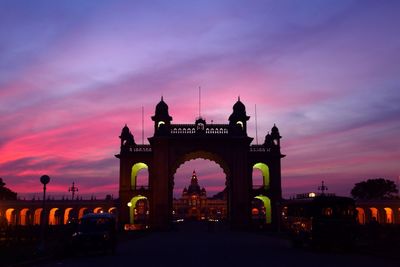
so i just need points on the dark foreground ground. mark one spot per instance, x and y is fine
(192, 245)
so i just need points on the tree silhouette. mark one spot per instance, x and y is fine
(378, 188)
(5, 193)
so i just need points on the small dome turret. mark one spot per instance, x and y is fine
(161, 107)
(238, 119)
(275, 132)
(239, 107)
(268, 140)
(127, 139)
(275, 136)
(162, 119)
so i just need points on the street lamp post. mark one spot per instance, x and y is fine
(44, 179)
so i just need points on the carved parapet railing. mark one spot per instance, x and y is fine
(190, 129)
(141, 148)
(259, 148)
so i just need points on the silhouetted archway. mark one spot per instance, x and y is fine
(199, 189)
(226, 144)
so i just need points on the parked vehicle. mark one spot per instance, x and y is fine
(321, 221)
(96, 232)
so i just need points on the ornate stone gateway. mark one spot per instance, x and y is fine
(173, 144)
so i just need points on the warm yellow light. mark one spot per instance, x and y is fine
(129, 204)
(312, 194)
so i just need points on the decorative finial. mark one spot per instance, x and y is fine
(238, 97)
(322, 188)
(162, 98)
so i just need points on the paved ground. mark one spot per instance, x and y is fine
(193, 245)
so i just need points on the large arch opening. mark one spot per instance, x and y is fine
(139, 212)
(200, 188)
(261, 210)
(139, 176)
(261, 175)
(360, 215)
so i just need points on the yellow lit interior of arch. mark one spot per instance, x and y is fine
(135, 169)
(160, 123)
(267, 205)
(240, 123)
(132, 205)
(265, 173)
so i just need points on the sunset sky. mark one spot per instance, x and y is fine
(72, 73)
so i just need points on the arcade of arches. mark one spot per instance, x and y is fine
(58, 212)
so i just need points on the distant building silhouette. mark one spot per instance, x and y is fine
(194, 204)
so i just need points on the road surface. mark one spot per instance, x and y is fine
(194, 245)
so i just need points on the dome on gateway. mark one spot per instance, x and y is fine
(161, 107)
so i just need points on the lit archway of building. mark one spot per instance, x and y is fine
(374, 214)
(54, 216)
(82, 211)
(24, 215)
(67, 215)
(98, 210)
(212, 174)
(11, 217)
(267, 205)
(112, 210)
(37, 216)
(136, 170)
(360, 215)
(265, 174)
(133, 208)
(389, 215)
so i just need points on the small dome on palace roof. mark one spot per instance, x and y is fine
(274, 129)
(239, 106)
(161, 106)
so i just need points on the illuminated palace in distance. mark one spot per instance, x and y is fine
(171, 145)
(194, 204)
